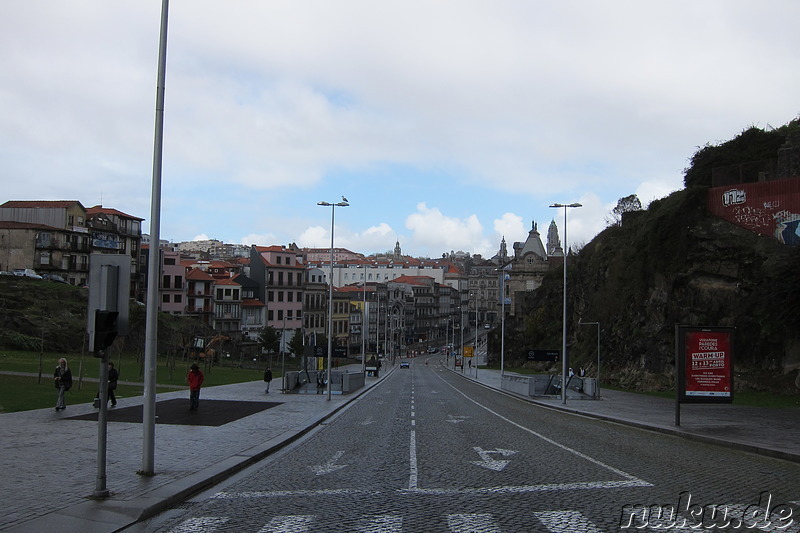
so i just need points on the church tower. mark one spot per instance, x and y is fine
(553, 241)
(502, 255)
(397, 252)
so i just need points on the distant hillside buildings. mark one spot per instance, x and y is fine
(386, 302)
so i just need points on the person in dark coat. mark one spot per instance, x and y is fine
(62, 378)
(113, 378)
(267, 378)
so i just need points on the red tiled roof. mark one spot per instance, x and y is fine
(42, 203)
(413, 280)
(249, 302)
(109, 211)
(196, 274)
(12, 224)
(227, 281)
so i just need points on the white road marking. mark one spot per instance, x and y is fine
(469, 523)
(456, 419)
(330, 466)
(566, 522)
(412, 476)
(200, 524)
(386, 523)
(639, 482)
(367, 421)
(288, 524)
(492, 464)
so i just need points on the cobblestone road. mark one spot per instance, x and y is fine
(427, 451)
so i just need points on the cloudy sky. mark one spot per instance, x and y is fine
(447, 124)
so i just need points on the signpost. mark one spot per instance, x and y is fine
(704, 357)
(543, 355)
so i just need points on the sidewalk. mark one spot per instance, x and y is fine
(49, 459)
(767, 431)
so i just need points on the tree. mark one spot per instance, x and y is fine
(269, 339)
(628, 204)
(296, 344)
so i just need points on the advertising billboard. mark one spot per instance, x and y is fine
(705, 364)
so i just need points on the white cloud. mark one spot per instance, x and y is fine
(510, 227)
(499, 106)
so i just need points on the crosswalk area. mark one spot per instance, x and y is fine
(563, 521)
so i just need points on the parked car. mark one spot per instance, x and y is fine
(54, 277)
(27, 272)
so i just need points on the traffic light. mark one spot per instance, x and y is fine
(105, 330)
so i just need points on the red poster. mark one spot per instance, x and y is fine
(708, 364)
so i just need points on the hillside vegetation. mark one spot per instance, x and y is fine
(674, 264)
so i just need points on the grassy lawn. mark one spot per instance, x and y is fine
(22, 393)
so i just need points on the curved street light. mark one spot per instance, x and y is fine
(343, 203)
(564, 318)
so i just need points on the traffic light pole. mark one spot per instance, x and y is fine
(100, 488)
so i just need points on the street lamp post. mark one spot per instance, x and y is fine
(564, 307)
(333, 207)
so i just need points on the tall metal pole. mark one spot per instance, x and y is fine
(330, 311)
(564, 307)
(475, 349)
(502, 323)
(363, 323)
(154, 263)
(333, 207)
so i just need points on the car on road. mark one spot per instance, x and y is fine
(54, 277)
(27, 272)
(405, 364)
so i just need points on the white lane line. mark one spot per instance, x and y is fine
(386, 523)
(200, 524)
(566, 522)
(288, 524)
(289, 493)
(412, 476)
(554, 443)
(469, 523)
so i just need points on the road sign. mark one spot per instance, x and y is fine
(543, 355)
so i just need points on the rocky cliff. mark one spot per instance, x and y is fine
(671, 264)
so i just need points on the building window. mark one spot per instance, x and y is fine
(178, 298)
(165, 298)
(165, 283)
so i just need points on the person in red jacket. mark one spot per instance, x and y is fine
(195, 380)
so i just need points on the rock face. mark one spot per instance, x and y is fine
(672, 264)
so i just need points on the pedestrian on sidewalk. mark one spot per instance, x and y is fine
(113, 377)
(62, 378)
(267, 378)
(195, 380)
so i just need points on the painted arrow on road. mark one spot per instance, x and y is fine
(492, 464)
(330, 466)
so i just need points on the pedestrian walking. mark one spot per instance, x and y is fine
(113, 377)
(195, 380)
(62, 378)
(267, 378)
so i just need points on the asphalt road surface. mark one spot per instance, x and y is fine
(427, 451)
